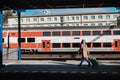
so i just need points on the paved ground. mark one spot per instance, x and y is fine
(57, 62)
(39, 68)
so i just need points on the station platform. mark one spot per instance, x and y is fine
(59, 69)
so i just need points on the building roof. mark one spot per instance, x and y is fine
(52, 4)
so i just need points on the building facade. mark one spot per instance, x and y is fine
(79, 19)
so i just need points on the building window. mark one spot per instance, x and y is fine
(77, 17)
(27, 20)
(61, 24)
(55, 18)
(92, 17)
(85, 17)
(66, 33)
(61, 19)
(100, 17)
(92, 24)
(77, 24)
(115, 16)
(100, 24)
(34, 19)
(21, 20)
(73, 18)
(107, 16)
(85, 24)
(30, 39)
(41, 19)
(48, 19)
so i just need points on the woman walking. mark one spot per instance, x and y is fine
(84, 50)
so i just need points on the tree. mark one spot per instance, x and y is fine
(6, 15)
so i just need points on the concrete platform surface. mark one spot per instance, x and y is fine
(63, 66)
(59, 70)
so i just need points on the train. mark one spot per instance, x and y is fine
(63, 39)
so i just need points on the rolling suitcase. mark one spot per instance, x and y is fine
(94, 61)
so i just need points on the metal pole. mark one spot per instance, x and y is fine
(19, 35)
(1, 49)
(19, 32)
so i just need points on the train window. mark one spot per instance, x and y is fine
(116, 32)
(46, 33)
(107, 45)
(48, 45)
(75, 33)
(75, 45)
(56, 45)
(86, 32)
(2, 39)
(96, 44)
(56, 33)
(66, 45)
(116, 44)
(96, 32)
(21, 39)
(108, 32)
(89, 44)
(43, 44)
(66, 33)
(30, 39)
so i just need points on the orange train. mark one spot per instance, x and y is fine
(64, 39)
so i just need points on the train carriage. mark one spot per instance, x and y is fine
(64, 39)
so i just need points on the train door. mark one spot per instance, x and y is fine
(117, 45)
(46, 45)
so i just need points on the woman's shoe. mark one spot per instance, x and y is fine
(79, 65)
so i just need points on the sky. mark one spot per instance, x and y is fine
(68, 10)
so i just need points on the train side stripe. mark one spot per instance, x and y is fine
(4, 34)
(25, 34)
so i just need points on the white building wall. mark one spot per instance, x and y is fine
(12, 22)
(68, 20)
